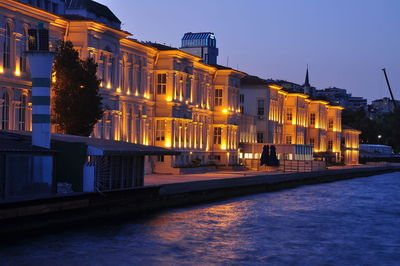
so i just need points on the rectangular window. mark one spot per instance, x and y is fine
(242, 109)
(289, 115)
(217, 135)
(188, 88)
(161, 83)
(288, 139)
(218, 97)
(54, 8)
(241, 98)
(160, 130)
(260, 107)
(312, 141)
(111, 68)
(260, 137)
(312, 119)
(160, 158)
(330, 145)
(330, 123)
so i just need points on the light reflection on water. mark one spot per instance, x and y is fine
(354, 222)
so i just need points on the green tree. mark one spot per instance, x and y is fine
(76, 102)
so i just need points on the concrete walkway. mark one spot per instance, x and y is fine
(155, 179)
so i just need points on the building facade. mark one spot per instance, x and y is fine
(152, 94)
(289, 118)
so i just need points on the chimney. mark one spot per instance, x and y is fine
(41, 62)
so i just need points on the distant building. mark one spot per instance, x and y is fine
(356, 103)
(291, 87)
(287, 119)
(334, 95)
(201, 44)
(382, 106)
(375, 151)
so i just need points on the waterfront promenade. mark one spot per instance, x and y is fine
(160, 192)
(157, 179)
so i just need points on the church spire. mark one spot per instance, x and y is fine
(307, 81)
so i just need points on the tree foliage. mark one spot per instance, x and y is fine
(76, 102)
(387, 126)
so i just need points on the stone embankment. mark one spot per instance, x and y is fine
(36, 215)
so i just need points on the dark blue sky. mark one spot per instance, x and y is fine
(344, 42)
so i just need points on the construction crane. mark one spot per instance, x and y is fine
(390, 89)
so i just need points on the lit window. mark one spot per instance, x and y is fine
(217, 135)
(161, 83)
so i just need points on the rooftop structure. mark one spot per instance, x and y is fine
(201, 44)
(92, 10)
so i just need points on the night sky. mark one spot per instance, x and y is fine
(344, 42)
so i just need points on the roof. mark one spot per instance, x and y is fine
(113, 147)
(15, 143)
(159, 46)
(254, 80)
(93, 7)
(104, 146)
(197, 35)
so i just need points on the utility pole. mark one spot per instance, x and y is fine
(390, 89)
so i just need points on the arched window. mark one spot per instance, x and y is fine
(123, 74)
(139, 75)
(22, 113)
(129, 121)
(7, 48)
(5, 111)
(24, 48)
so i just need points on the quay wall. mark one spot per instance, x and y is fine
(56, 213)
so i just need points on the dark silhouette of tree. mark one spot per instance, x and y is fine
(264, 160)
(387, 126)
(273, 159)
(76, 102)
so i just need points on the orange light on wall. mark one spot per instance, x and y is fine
(168, 99)
(17, 71)
(118, 90)
(1, 69)
(168, 143)
(225, 111)
(108, 85)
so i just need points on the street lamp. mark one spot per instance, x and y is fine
(379, 138)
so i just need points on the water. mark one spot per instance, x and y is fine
(354, 222)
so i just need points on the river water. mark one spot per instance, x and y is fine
(353, 222)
